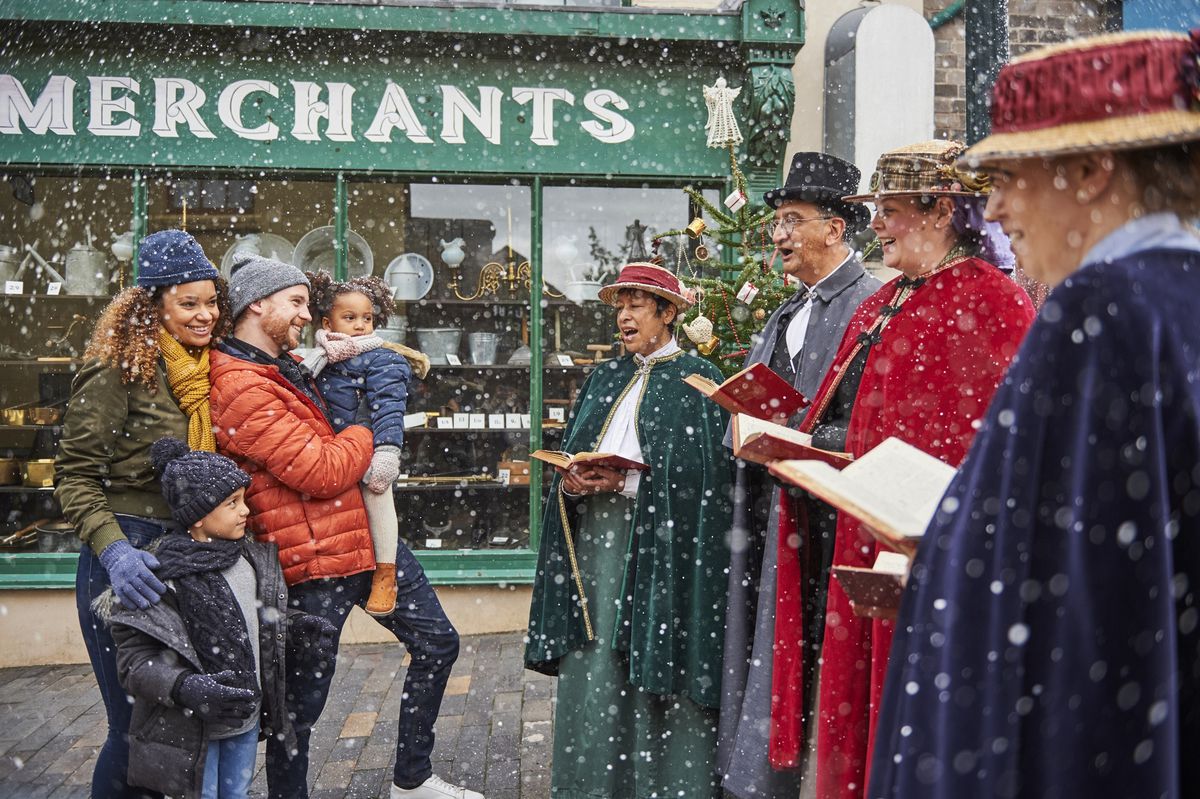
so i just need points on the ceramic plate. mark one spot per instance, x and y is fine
(407, 264)
(314, 252)
(267, 245)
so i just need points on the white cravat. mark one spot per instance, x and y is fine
(797, 328)
(621, 436)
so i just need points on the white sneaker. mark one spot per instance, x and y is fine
(434, 788)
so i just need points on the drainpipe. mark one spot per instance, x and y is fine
(946, 14)
(987, 51)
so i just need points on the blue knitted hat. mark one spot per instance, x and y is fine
(172, 257)
(194, 482)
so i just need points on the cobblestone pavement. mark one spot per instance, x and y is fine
(493, 734)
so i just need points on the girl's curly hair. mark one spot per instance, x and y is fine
(326, 290)
(126, 335)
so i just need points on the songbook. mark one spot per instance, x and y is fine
(755, 391)
(566, 460)
(764, 442)
(894, 489)
(875, 592)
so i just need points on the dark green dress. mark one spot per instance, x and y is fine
(639, 654)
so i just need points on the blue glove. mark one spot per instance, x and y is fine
(215, 697)
(129, 573)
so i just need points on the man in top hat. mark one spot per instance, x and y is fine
(811, 232)
(1048, 642)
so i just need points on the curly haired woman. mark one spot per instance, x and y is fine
(145, 376)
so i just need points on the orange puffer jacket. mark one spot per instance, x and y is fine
(304, 490)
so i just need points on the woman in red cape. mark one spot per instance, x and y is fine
(919, 361)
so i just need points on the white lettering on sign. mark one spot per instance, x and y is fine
(619, 128)
(309, 108)
(485, 118)
(229, 108)
(396, 112)
(543, 111)
(178, 100)
(113, 110)
(54, 110)
(104, 107)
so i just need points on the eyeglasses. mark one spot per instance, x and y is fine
(788, 223)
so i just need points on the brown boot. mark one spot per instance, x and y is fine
(383, 590)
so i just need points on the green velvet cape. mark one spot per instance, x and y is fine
(670, 624)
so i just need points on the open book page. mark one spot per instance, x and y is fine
(566, 460)
(764, 442)
(756, 391)
(894, 489)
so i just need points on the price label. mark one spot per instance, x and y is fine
(496, 421)
(525, 421)
(558, 414)
(564, 360)
(445, 423)
(512, 421)
(433, 543)
(504, 476)
(477, 421)
(54, 289)
(499, 540)
(14, 287)
(462, 421)
(453, 360)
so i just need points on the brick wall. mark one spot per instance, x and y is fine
(1032, 23)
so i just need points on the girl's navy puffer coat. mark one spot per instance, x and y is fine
(381, 378)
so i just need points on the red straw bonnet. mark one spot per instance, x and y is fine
(647, 277)
(1124, 91)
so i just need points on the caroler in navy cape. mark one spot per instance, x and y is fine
(1048, 644)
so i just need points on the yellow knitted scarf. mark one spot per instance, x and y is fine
(188, 378)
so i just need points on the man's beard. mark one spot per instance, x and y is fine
(279, 328)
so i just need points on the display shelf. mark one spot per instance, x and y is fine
(54, 428)
(452, 430)
(547, 367)
(404, 487)
(26, 490)
(43, 364)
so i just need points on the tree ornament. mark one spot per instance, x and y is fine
(702, 253)
(760, 314)
(722, 126)
(700, 331)
(736, 200)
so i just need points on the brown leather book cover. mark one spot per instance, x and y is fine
(764, 442)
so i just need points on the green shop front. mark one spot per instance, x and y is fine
(492, 164)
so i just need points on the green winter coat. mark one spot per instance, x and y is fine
(103, 464)
(671, 622)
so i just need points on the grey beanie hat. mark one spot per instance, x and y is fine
(255, 277)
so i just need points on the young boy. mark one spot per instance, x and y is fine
(206, 663)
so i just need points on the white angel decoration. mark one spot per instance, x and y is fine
(722, 126)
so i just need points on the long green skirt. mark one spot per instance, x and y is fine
(612, 739)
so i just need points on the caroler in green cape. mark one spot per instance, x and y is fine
(629, 599)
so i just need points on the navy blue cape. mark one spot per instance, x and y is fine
(1048, 643)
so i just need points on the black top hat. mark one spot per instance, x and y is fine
(824, 179)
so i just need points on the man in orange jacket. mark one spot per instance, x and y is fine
(304, 497)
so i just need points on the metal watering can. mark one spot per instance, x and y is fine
(86, 269)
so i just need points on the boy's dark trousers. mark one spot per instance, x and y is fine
(432, 643)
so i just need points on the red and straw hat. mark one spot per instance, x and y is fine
(1124, 91)
(651, 278)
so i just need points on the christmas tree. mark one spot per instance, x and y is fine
(733, 299)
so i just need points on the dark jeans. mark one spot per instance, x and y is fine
(108, 780)
(432, 642)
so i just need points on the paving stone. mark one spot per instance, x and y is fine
(494, 732)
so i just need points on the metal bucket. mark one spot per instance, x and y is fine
(438, 342)
(10, 262)
(482, 347)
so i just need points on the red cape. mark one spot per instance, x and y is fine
(928, 381)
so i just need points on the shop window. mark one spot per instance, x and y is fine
(456, 258)
(65, 248)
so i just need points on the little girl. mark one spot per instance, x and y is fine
(363, 370)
